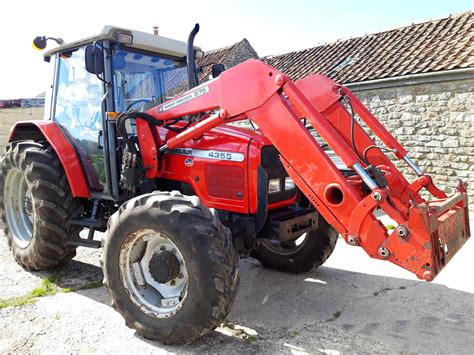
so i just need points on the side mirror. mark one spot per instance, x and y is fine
(217, 70)
(94, 60)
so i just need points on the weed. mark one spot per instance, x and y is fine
(47, 287)
(293, 334)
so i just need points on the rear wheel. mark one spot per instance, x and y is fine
(170, 267)
(309, 251)
(37, 206)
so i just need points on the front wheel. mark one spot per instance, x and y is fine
(170, 267)
(307, 252)
(37, 206)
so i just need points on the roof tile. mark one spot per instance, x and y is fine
(442, 44)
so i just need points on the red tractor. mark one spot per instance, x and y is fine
(181, 194)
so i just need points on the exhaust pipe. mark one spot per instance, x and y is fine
(193, 79)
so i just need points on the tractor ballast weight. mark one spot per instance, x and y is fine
(429, 233)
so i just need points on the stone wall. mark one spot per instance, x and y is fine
(9, 116)
(435, 123)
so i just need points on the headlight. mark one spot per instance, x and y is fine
(289, 183)
(274, 186)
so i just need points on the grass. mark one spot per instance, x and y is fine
(293, 334)
(47, 287)
(390, 226)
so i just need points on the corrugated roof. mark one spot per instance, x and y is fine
(431, 46)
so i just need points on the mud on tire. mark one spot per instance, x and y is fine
(205, 249)
(38, 239)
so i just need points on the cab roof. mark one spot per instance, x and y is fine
(141, 40)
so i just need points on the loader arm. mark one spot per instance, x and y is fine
(429, 233)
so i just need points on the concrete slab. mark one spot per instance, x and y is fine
(351, 304)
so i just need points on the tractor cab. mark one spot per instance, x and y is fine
(182, 195)
(115, 71)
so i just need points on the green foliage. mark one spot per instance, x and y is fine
(47, 287)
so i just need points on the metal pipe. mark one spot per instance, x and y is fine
(195, 131)
(193, 80)
(412, 165)
(364, 176)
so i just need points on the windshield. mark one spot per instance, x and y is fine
(141, 78)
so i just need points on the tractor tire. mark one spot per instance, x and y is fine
(36, 205)
(170, 267)
(313, 251)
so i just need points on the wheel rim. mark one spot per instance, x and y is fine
(18, 208)
(140, 269)
(286, 248)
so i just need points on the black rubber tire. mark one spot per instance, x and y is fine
(52, 204)
(317, 247)
(206, 246)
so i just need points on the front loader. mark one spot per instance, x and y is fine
(134, 146)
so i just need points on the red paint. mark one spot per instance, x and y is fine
(253, 90)
(225, 181)
(65, 152)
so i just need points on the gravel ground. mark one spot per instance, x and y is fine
(351, 305)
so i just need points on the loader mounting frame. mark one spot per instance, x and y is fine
(429, 233)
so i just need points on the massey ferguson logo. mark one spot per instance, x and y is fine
(188, 97)
(182, 151)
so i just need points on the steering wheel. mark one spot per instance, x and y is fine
(138, 102)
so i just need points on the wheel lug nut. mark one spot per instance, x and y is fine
(162, 247)
(173, 282)
(180, 276)
(173, 251)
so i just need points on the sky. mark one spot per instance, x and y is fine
(271, 26)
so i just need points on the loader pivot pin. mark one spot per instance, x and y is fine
(402, 232)
(280, 80)
(384, 253)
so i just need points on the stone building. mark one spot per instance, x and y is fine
(417, 80)
(229, 56)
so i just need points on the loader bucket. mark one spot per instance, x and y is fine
(441, 227)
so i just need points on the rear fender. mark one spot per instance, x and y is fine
(48, 130)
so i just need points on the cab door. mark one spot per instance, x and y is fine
(78, 110)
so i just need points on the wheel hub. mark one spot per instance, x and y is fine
(164, 267)
(154, 273)
(18, 207)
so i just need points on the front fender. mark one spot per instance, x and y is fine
(49, 131)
